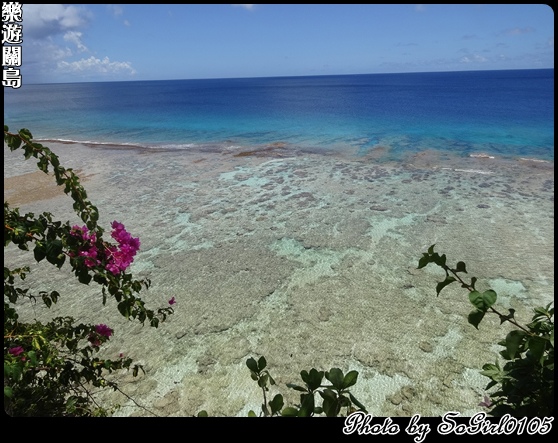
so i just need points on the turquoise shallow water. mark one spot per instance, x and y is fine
(310, 260)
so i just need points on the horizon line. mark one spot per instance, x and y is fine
(285, 76)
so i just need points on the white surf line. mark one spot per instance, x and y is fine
(469, 170)
(277, 160)
(481, 156)
(533, 160)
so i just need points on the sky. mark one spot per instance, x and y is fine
(93, 42)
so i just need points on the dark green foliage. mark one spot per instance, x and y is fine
(525, 385)
(334, 396)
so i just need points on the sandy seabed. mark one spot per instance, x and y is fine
(307, 259)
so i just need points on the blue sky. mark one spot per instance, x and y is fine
(76, 43)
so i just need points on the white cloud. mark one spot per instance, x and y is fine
(75, 38)
(473, 59)
(116, 10)
(55, 34)
(518, 31)
(41, 21)
(93, 65)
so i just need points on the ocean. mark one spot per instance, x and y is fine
(505, 113)
(287, 216)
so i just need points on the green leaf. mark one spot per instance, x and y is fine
(39, 252)
(59, 261)
(47, 301)
(489, 297)
(482, 301)
(350, 379)
(276, 404)
(335, 376)
(26, 134)
(423, 261)
(84, 277)
(125, 309)
(8, 392)
(70, 404)
(262, 363)
(475, 297)
(443, 284)
(510, 316)
(16, 371)
(513, 342)
(440, 260)
(473, 281)
(313, 379)
(252, 365)
(330, 407)
(537, 345)
(296, 387)
(203, 413)
(53, 250)
(475, 317)
(262, 382)
(328, 393)
(492, 371)
(460, 267)
(307, 406)
(32, 355)
(356, 402)
(541, 311)
(289, 412)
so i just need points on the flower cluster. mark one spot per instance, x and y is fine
(15, 351)
(118, 258)
(103, 330)
(100, 331)
(89, 248)
(121, 257)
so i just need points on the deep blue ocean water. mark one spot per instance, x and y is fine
(506, 113)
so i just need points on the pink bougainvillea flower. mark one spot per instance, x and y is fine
(15, 351)
(122, 256)
(172, 301)
(103, 330)
(88, 250)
